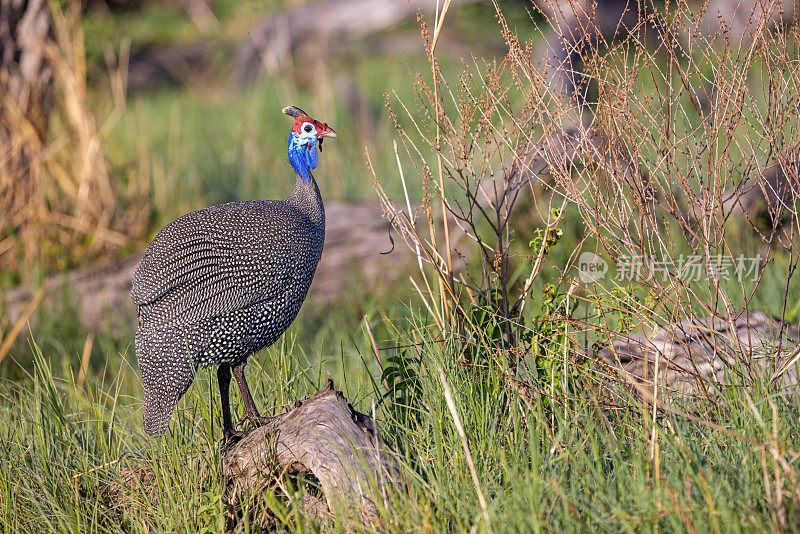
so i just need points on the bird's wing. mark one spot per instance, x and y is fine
(214, 261)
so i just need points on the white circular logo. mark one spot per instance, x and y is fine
(591, 267)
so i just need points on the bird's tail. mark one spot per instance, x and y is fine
(167, 372)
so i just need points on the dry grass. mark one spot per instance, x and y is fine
(650, 172)
(58, 202)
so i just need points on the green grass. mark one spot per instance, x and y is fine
(586, 468)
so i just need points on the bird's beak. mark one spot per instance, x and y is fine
(329, 133)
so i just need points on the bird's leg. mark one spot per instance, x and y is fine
(224, 379)
(250, 411)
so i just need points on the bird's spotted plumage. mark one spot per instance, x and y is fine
(218, 284)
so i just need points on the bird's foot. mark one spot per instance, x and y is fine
(231, 436)
(254, 419)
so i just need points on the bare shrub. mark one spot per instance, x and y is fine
(653, 171)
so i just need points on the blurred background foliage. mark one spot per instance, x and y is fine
(178, 132)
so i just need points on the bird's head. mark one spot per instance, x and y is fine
(307, 134)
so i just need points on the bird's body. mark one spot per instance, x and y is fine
(218, 284)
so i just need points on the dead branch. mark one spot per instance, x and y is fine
(699, 355)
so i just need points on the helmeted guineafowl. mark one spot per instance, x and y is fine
(218, 284)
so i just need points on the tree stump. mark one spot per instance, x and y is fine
(322, 436)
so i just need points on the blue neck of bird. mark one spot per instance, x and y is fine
(303, 157)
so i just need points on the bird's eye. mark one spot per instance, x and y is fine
(307, 128)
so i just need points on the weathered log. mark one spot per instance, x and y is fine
(273, 40)
(702, 355)
(322, 436)
(355, 236)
